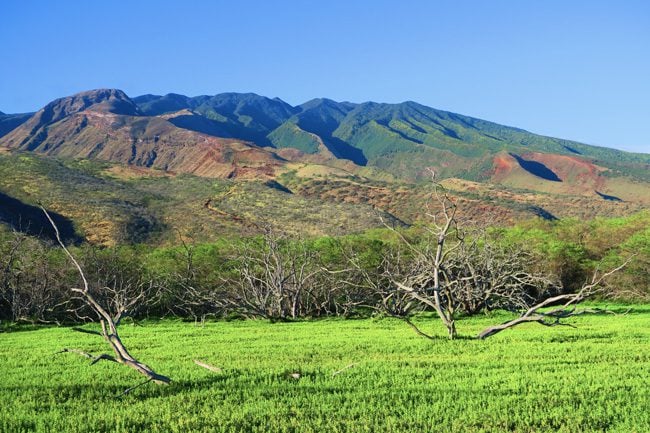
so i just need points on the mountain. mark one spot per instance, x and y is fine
(106, 124)
(245, 116)
(403, 139)
(406, 139)
(321, 156)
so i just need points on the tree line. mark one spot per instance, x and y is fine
(278, 277)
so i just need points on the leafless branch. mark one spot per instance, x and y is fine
(108, 323)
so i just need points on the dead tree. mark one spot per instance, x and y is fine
(451, 269)
(564, 305)
(277, 280)
(485, 275)
(109, 323)
(30, 284)
(192, 291)
(424, 281)
(9, 292)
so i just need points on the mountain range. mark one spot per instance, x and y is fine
(364, 146)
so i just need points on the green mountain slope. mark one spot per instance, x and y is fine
(404, 139)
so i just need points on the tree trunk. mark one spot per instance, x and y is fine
(451, 329)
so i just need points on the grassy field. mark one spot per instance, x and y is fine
(592, 378)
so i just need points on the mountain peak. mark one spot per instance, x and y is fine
(111, 100)
(316, 102)
(102, 93)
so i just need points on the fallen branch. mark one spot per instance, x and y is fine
(108, 323)
(343, 369)
(128, 390)
(212, 368)
(417, 330)
(554, 316)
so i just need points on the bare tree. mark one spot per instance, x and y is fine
(195, 294)
(119, 281)
(487, 275)
(424, 281)
(30, 284)
(452, 269)
(278, 279)
(109, 322)
(9, 275)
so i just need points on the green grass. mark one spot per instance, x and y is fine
(531, 379)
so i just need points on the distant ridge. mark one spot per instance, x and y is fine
(112, 166)
(235, 134)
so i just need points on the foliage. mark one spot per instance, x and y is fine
(200, 279)
(574, 248)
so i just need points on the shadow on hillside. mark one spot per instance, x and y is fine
(386, 125)
(542, 213)
(340, 148)
(536, 168)
(572, 150)
(608, 197)
(31, 220)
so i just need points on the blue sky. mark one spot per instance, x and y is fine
(571, 69)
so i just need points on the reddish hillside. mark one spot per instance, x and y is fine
(560, 174)
(106, 125)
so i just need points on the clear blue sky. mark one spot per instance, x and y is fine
(571, 69)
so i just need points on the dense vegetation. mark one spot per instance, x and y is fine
(593, 378)
(214, 279)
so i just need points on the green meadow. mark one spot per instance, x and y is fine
(593, 377)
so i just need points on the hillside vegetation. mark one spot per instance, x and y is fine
(110, 204)
(198, 279)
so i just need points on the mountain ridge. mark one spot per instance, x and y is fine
(105, 124)
(406, 140)
(153, 165)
